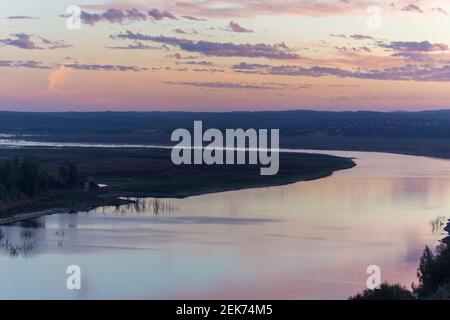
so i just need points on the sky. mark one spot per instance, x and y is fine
(214, 55)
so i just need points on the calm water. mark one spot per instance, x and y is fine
(307, 240)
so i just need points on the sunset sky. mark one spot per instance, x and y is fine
(213, 55)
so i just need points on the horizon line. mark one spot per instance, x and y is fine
(231, 111)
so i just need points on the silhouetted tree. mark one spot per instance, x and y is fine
(25, 179)
(63, 174)
(73, 175)
(433, 271)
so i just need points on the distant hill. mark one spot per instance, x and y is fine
(420, 133)
(427, 124)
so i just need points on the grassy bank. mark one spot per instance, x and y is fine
(150, 172)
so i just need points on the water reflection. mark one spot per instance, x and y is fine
(27, 238)
(307, 240)
(140, 207)
(17, 241)
(438, 224)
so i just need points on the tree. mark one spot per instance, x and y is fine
(29, 177)
(63, 174)
(73, 175)
(20, 178)
(433, 271)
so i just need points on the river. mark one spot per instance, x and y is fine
(309, 240)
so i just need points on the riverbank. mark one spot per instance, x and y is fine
(70, 202)
(131, 173)
(31, 215)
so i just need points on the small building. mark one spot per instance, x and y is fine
(89, 186)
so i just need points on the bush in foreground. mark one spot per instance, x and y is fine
(386, 292)
(434, 280)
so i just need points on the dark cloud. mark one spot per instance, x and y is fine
(160, 15)
(21, 18)
(361, 37)
(191, 18)
(412, 7)
(58, 44)
(354, 49)
(113, 16)
(197, 63)
(414, 46)
(338, 35)
(249, 66)
(31, 42)
(20, 40)
(180, 57)
(240, 86)
(260, 50)
(98, 67)
(414, 56)
(142, 37)
(407, 73)
(353, 36)
(209, 70)
(76, 66)
(22, 64)
(236, 27)
(135, 46)
(180, 31)
(122, 16)
(90, 18)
